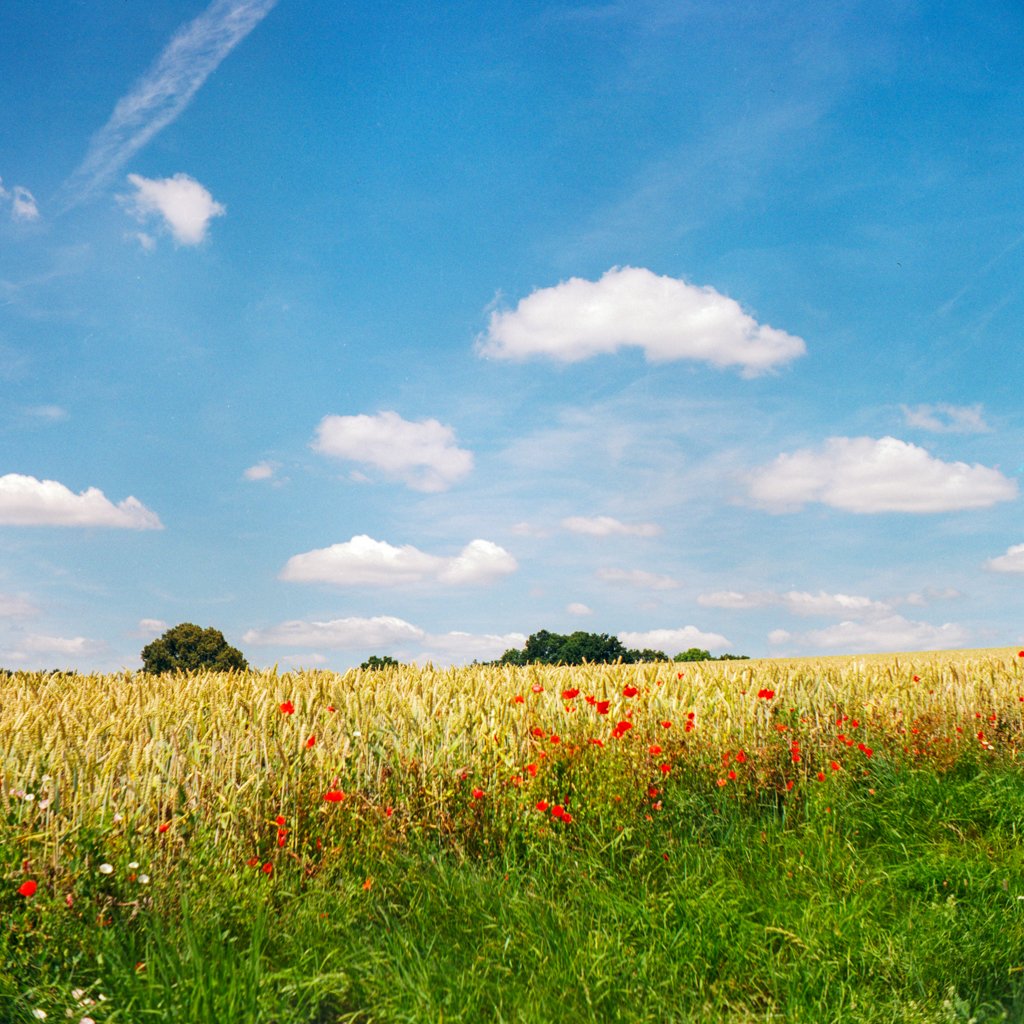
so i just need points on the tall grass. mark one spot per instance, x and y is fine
(835, 839)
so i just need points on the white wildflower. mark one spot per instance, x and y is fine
(133, 866)
(143, 879)
(106, 869)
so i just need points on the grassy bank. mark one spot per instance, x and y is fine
(801, 841)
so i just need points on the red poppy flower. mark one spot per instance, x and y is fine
(865, 750)
(532, 769)
(164, 827)
(766, 694)
(722, 782)
(571, 694)
(590, 699)
(653, 749)
(388, 811)
(279, 820)
(741, 758)
(310, 742)
(518, 699)
(789, 785)
(287, 708)
(603, 706)
(542, 805)
(917, 679)
(537, 731)
(688, 727)
(595, 741)
(665, 769)
(732, 775)
(268, 868)
(621, 729)
(331, 707)
(821, 776)
(282, 837)
(566, 817)
(1020, 654)
(679, 675)
(253, 861)
(478, 793)
(556, 739)
(666, 725)
(537, 688)
(557, 811)
(629, 691)
(334, 796)
(834, 765)
(28, 888)
(796, 757)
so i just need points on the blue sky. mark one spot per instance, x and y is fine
(412, 329)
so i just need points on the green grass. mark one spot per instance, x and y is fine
(834, 905)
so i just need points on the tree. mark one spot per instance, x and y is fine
(187, 648)
(546, 648)
(375, 662)
(693, 654)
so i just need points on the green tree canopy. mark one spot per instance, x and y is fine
(188, 647)
(546, 648)
(373, 661)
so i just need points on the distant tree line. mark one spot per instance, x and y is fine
(547, 648)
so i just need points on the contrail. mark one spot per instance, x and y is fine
(163, 92)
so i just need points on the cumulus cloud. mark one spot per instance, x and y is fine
(36, 644)
(185, 206)
(458, 648)
(384, 633)
(1012, 561)
(942, 418)
(866, 475)
(605, 526)
(23, 203)
(151, 627)
(797, 602)
(422, 454)
(349, 633)
(638, 578)
(577, 608)
(667, 318)
(363, 561)
(891, 633)
(165, 90)
(671, 641)
(26, 501)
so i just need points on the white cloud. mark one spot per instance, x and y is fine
(23, 203)
(261, 471)
(633, 307)
(797, 602)
(16, 606)
(672, 641)
(638, 578)
(363, 561)
(151, 627)
(605, 526)
(947, 419)
(866, 475)
(779, 636)
(26, 501)
(49, 413)
(185, 206)
(576, 608)
(423, 455)
(892, 633)
(38, 644)
(165, 90)
(1012, 561)
(457, 648)
(350, 633)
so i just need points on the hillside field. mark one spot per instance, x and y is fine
(837, 839)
